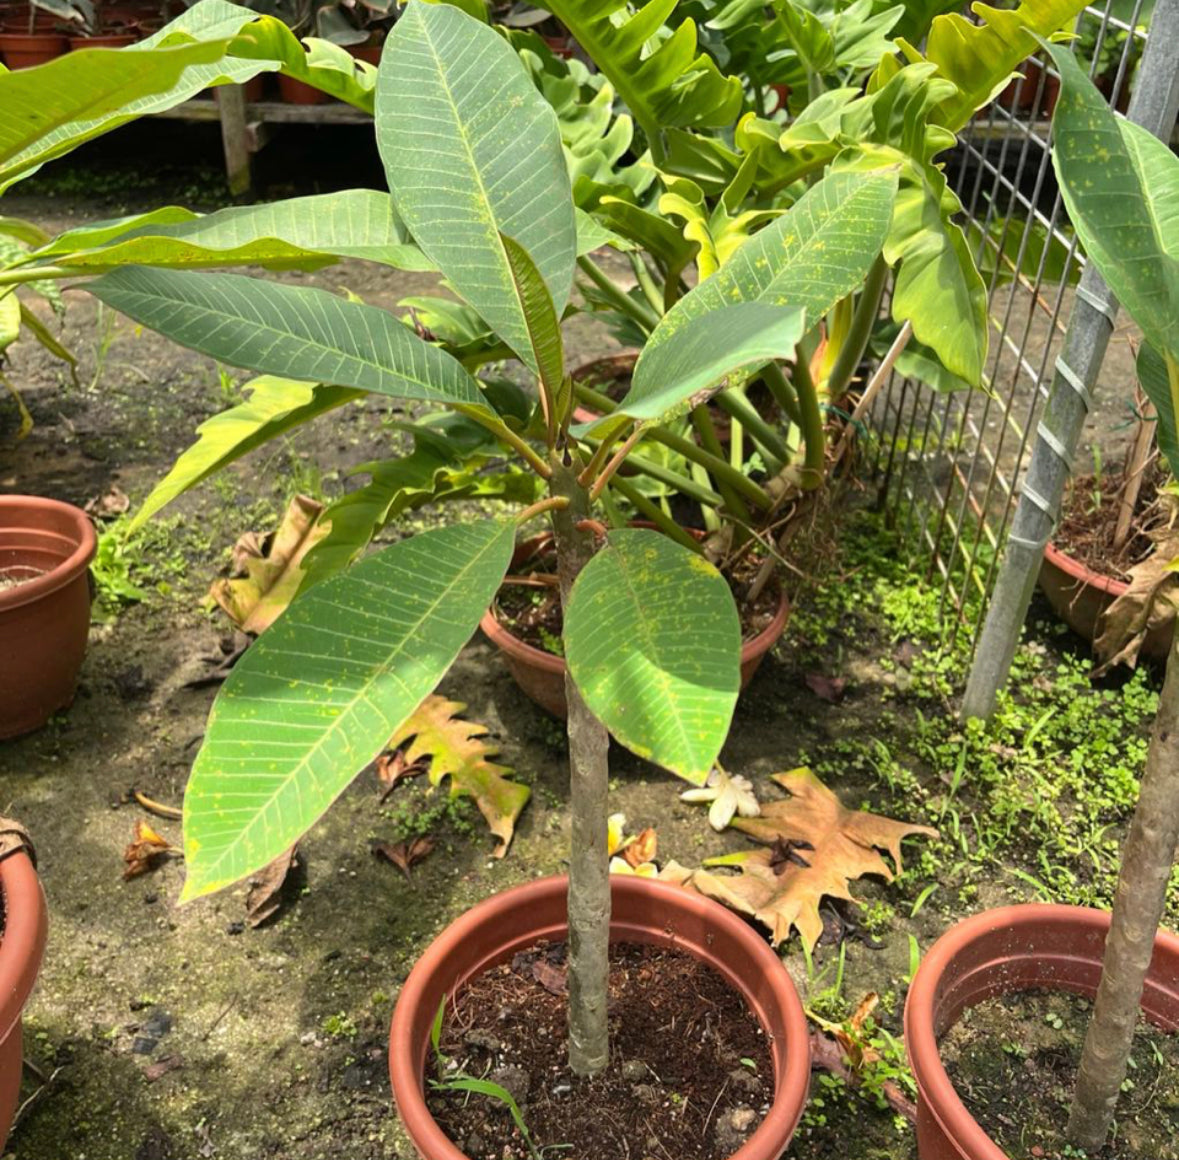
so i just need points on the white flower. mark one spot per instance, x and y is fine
(729, 795)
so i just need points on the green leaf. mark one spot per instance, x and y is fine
(540, 316)
(816, 253)
(653, 640)
(671, 377)
(1152, 374)
(1121, 187)
(472, 153)
(293, 331)
(318, 695)
(275, 406)
(42, 334)
(662, 79)
(23, 231)
(9, 319)
(303, 233)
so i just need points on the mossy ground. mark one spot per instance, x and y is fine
(278, 1034)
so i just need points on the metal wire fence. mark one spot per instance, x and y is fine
(949, 464)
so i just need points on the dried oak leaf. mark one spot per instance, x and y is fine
(457, 749)
(269, 569)
(817, 847)
(392, 769)
(145, 852)
(404, 855)
(265, 894)
(1150, 602)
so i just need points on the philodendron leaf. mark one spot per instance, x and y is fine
(293, 331)
(653, 640)
(812, 256)
(1121, 187)
(673, 376)
(275, 406)
(473, 152)
(316, 698)
(303, 232)
(1152, 374)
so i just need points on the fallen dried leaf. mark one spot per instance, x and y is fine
(780, 886)
(642, 849)
(157, 808)
(404, 855)
(457, 749)
(265, 894)
(828, 689)
(827, 1054)
(146, 851)
(392, 768)
(270, 569)
(113, 503)
(161, 1067)
(1150, 602)
(551, 978)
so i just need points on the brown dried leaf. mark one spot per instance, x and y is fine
(457, 749)
(551, 978)
(145, 852)
(113, 503)
(392, 768)
(270, 575)
(161, 1067)
(828, 689)
(1150, 602)
(643, 849)
(827, 1053)
(782, 887)
(265, 894)
(404, 855)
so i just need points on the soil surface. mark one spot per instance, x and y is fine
(1089, 518)
(1013, 1060)
(15, 577)
(690, 1073)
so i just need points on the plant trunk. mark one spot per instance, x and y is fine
(589, 862)
(1147, 861)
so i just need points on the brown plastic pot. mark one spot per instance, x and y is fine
(107, 40)
(1016, 948)
(22, 944)
(370, 53)
(297, 93)
(1079, 596)
(541, 675)
(643, 912)
(28, 49)
(45, 621)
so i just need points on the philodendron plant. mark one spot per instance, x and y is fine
(1121, 187)
(651, 632)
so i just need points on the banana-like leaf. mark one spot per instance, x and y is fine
(1161, 383)
(979, 58)
(473, 153)
(302, 233)
(653, 640)
(318, 695)
(663, 82)
(1121, 187)
(812, 256)
(274, 407)
(293, 331)
(672, 377)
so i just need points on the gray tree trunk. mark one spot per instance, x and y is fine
(1147, 860)
(589, 862)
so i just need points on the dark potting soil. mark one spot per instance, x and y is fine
(689, 1078)
(532, 611)
(1089, 516)
(1013, 1061)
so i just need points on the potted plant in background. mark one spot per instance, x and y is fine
(39, 39)
(1118, 182)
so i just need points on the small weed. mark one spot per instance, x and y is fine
(339, 1026)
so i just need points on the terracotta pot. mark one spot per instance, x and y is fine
(254, 88)
(366, 52)
(44, 622)
(643, 912)
(1079, 596)
(297, 93)
(541, 675)
(107, 40)
(1016, 948)
(26, 50)
(26, 925)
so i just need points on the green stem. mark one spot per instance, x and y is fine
(855, 342)
(646, 283)
(773, 446)
(506, 435)
(666, 475)
(813, 433)
(653, 512)
(640, 312)
(782, 391)
(734, 501)
(34, 274)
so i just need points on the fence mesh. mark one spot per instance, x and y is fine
(949, 463)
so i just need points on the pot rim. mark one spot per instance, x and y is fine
(64, 573)
(935, 1088)
(501, 636)
(26, 925)
(1082, 573)
(791, 1089)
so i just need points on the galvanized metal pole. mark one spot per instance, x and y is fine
(1155, 106)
